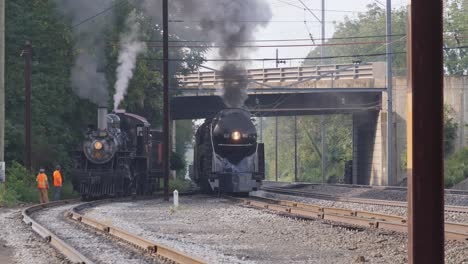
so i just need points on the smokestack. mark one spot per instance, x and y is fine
(102, 118)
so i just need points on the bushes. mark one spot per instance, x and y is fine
(181, 185)
(21, 187)
(456, 168)
(8, 197)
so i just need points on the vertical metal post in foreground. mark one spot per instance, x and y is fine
(276, 148)
(389, 51)
(295, 148)
(166, 98)
(425, 121)
(324, 146)
(323, 129)
(2, 80)
(27, 54)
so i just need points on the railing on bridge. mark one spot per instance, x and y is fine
(207, 79)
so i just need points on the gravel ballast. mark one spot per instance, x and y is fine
(219, 231)
(94, 245)
(20, 244)
(391, 210)
(374, 192)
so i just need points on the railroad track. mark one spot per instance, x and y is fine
(74, 246)
(330, 197)
(453, 231)
(356, 186)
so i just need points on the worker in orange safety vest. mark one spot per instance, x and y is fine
(42, 186)
(57, 182)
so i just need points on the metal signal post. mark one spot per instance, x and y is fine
(27, 54)
(166, 119)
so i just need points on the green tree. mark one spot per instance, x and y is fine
(309, 152)
(455, 28)
(56, 111)
(372, 24)
(450, 131)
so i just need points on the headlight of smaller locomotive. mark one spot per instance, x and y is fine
(97, 145)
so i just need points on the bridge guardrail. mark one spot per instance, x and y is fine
(287, 74)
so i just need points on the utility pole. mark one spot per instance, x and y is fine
(166, 120)
(324, 144)
(276, 148)
(389, 51)
(2, 89)
(322, 128)
(27, 54)
(295, 148)
(322, 48)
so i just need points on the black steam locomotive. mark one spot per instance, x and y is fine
(227, 156)
(121, 157)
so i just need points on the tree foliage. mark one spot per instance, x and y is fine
(455, 27)
(370, 27)
(373, 23)
(309, 153)
(59, 116)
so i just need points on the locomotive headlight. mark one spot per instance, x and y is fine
(236, 135)
(98, 145)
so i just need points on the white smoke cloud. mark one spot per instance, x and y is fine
(130, 47)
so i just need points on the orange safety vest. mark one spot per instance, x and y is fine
(57, 179)
(42, 181)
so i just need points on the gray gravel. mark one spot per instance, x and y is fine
(96, 246)
(20, 244)
(376, 192)
(391, 210)
(219, 231)
(463, 185)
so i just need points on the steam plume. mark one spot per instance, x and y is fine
(130, 48)
(87, 76)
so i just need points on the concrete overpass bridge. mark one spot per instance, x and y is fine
(355, 89)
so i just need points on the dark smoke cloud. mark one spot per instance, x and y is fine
(235, 83)
(223, 23)
(87, 76)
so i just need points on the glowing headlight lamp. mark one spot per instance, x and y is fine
(98, 145)
(236, 135)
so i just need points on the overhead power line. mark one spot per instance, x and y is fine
(354, 56)
(310, 11)
(249, 21)
(326, 10)
(284, 40)
(274, 46)
(99, 13)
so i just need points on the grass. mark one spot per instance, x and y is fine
(21, 187)
(181, 185)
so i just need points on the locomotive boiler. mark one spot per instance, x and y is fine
(227, 156)
(121, 157)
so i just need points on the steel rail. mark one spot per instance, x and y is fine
(322, 196)
(75, 256)
(68, 251)
(139, 242)
(453, 231)
(293, 185)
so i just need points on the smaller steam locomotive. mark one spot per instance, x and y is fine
(227, 156)
(121, 157)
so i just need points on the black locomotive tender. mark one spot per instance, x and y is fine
(121, 157)
(227, 156)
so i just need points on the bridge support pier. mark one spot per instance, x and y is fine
(370, 147)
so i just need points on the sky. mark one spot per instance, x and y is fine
(288, 23)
